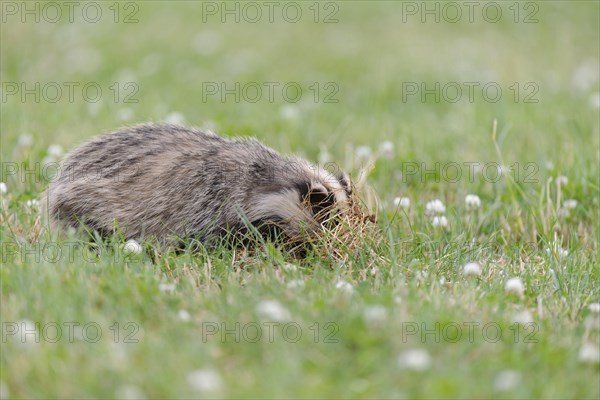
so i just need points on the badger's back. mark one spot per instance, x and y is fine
(158, 180)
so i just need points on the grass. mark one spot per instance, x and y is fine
(405, 324)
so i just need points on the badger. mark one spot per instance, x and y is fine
(170, 182)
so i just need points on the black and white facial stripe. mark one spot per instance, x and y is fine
(324, 198)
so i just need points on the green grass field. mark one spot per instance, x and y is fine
(350, 82)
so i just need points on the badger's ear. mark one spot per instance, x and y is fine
(318, 198)
(345, 181)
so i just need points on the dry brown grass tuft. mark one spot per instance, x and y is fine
(355, 235)
(348, 238)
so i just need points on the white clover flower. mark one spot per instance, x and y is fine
(25, 140)
(3, 188)
(27, 335)
(26, 325)
(403, 202)
(132, 247)
(184, 315)
(118, 352)
(55, 150)
(502, 170)
(570, 204)
(563, 253)
(166, 287)
(592, 322)
(585, 75)
(94, 108)
(289, 112)
(290, 267)
(125, 114)
(522, 317)
(441, 221)
(175, 118)
(415, 359)
(559, 250)
(273, 311)
(207, 42)
(595, 100)
(210, 126)
(589, 353)
(386, 150)
(472, 268)
(375, 315)
(150, 64)
(125, 75)
(363, 153)
(295, 284)
(373, 271)
(594, 307)
(205, 380)
(47, 161)
(515, 286)
(324, 155)
(472, 201)
(562, 180)
(435, 207)
(4, 392)
(32, 204)
(507, 380)
(129, 392)
(344, 286)
(78, 333)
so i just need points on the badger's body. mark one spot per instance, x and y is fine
(169, 182)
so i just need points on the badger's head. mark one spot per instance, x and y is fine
(302, 199)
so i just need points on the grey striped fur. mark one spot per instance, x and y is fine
(166, 181)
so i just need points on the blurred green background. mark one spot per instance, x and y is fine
(367, 51)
